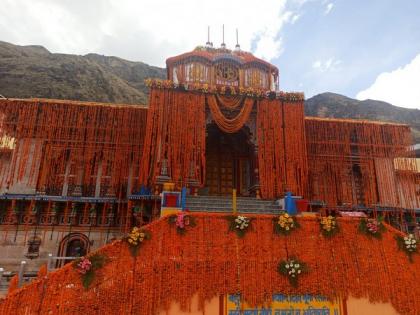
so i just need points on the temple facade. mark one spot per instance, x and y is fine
(77, 175)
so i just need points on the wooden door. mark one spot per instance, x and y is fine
(226, 176)
(219, 176)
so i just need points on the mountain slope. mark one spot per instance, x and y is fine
(339, 106)
(32, 71)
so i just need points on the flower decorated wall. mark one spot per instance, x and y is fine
(176, 134)
(52, 138)
(379, 155)
(210, 259)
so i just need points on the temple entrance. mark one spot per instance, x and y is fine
(228, 161)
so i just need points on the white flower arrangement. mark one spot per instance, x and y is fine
(410, 243)
(292, 268)
(241, 222)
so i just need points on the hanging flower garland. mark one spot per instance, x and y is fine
(329, 226)
(224, 90)
(285, 224)
(87, 266)
(292, 269)
(135, 238)
(408, 244)
(182, 221)
(372, 227)
(239, 224)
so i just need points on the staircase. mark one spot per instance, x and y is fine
(224, 204)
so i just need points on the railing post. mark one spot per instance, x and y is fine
(49, 262)
(1, 275)
(21, 272)
(234, 208)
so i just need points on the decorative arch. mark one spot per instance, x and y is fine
(68, 247)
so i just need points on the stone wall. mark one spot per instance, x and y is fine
(14, 245)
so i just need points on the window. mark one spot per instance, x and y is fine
(33, 247)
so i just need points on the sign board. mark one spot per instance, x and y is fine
(286, 305)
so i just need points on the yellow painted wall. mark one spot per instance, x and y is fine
(364, 307)
(211, 308)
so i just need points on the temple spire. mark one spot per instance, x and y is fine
(223, 37)
(237, 46)
(209, 44)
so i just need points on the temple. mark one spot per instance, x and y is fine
(217, 136)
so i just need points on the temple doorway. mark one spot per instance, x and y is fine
(229, 158)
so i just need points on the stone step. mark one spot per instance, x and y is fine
(230, 204)
(196, 205)
(259, 211)
(224, 198)
(228, 200)
(239, 205)
(224, 204)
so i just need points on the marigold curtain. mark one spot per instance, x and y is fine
(230, 125)
(175, 135)
(209, 260)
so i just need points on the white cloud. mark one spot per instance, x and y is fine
(294, 18)
(149, 31)
(327, 65)
(328, 8)
(400, 87)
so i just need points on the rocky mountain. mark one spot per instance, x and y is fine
(340, 106)
(32, 71)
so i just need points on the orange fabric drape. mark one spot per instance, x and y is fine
(226, 124)
(175, 134)
(281, 148)
(209, 261)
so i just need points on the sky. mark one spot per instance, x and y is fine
(364, 49)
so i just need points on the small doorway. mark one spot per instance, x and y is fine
(72, 245)
(228, 161)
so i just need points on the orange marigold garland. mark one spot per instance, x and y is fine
(329, 226)
(166, 274)
(372, 227)
(135, 238)
(239, 224)
(292, 268)
(285, 224)
(13, 284)
(408, 244)
(87, 266)
(42, 272)
(182, 221)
